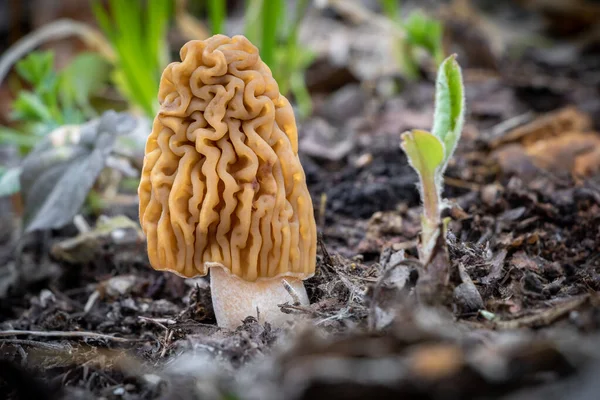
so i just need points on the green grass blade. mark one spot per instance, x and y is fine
(253, 21)
(159, 13)
(216, 14)
(270, 21)
(103, 19)
(137, 32)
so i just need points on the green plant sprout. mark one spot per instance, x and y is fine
(138, 33)
(421, 32)
(428, 153)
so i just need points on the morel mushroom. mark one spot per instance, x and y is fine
(222, 186)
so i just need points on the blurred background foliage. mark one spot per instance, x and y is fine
(98, 55)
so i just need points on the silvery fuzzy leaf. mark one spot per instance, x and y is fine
(58, 174)
(9, 181)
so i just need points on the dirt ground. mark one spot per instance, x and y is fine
(521, 319)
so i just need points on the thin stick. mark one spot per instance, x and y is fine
(33, 343)
(497, 132)
(292, 292)
(72, 334)
(168, 338)
(162, 322)
(543, 318)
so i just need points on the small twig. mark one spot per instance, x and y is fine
(91, 301)
(70, 334)
(346, 281)
(302, 310)
(162, 322)
(168, 338)
(322, 209)
(33, 343)
(326, 256)
(543, 318)
(459, 183)
(291, 291)
(497, 131)
(81, 224)
(340, 315)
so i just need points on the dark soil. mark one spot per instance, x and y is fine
(521, 321)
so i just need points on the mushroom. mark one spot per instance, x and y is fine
(222, 187)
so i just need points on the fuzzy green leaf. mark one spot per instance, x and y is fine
(449, 106)
(426, 155)
(425, 152)
(56, 180)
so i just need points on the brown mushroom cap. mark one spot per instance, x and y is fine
(222, 181)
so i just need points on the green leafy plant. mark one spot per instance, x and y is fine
(54, 98)
(137, 31)
(421, 32)
(55, 179)
(429, 152)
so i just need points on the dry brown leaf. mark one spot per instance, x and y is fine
(522, 261)
(548, 125)
(559, 142)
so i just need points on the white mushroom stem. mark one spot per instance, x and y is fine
(234, 299)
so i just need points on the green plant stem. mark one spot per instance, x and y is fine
(216, 13)
(431, 202)
(431, 218)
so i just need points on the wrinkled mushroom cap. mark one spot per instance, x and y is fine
(222, 181)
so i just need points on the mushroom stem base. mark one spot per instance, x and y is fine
(235, 299)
